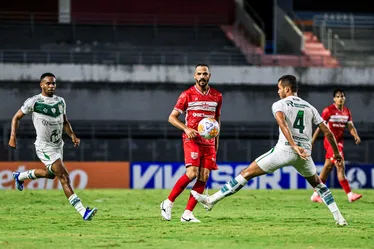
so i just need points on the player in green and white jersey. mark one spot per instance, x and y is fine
(49, 118)
(295, 118)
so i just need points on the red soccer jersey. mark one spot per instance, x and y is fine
(197, 106)
(337, 121)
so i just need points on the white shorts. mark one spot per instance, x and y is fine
(49, 155)
(277, 158)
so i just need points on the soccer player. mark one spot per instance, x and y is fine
(337, 116)
(198, 102)
(295, 118)
(49, 119)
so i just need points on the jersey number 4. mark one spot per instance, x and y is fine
(299, 121)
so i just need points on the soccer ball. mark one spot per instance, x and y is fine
(208, 128)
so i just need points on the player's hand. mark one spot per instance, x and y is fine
(76, 141)
(357, 139)
(12, 142)
(301, 152)
(191, 133)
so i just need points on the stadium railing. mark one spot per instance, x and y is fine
(156, 58)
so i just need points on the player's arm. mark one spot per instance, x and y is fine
(281, 120)
(217, 137)
(174, 120)
(315, 135)
(69, 131)
(353, 131)
(14, 126)
(331, 138)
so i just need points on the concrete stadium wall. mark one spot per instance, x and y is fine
(141, 102)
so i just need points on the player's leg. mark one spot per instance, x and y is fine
(207, 163)
(266, 163)
(59, 170)
(340, 170)
(308, 170)
(192, 161)
(199, 187)
(326, 170)
(20, 177)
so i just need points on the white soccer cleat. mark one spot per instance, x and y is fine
(340, 221)
(166, 207)
(189, 217)
(203, 200)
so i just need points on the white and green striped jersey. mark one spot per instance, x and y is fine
(47, 116)
(300, 117)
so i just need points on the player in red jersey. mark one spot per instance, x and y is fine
(197, 102)
(338, 117)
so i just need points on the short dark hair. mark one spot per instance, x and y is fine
(47, 75)
(201, 65)
(338, 90)
(289, 80)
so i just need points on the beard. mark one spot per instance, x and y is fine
(203, 83)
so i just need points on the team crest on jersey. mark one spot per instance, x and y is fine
(60, 108)
(45, 110)
(53, 110)
(194, 155)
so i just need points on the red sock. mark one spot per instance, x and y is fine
(345, 185)
(198, 187)
(178, 188)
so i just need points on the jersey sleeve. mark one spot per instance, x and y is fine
(181, 105)
(326, 114)
(317, 119)
(218, 110)
(28, 106)
(350, 116)
(277, 107)
(63, 106)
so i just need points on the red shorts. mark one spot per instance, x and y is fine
(199, 155)
(330, 152)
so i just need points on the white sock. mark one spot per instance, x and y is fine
(328, 199)
(76, 202)
(30, 174)
(168, 202)
(229, 188)
(350, 194)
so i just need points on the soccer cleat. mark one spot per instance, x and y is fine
(89, 214)
(19, 184)
(354, 197)
(166, 209)
(316, 198)
(341, 222)
(203, 200)
(189, 217)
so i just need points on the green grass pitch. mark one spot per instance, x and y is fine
(284, 219)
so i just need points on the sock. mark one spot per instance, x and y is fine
(198, 187)
(328, 199)
(30, 174)
(315, 193)
(229, 188)
(76, 202)
(178, 188)
(345, 185)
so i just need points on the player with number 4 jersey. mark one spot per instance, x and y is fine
(295, 118)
